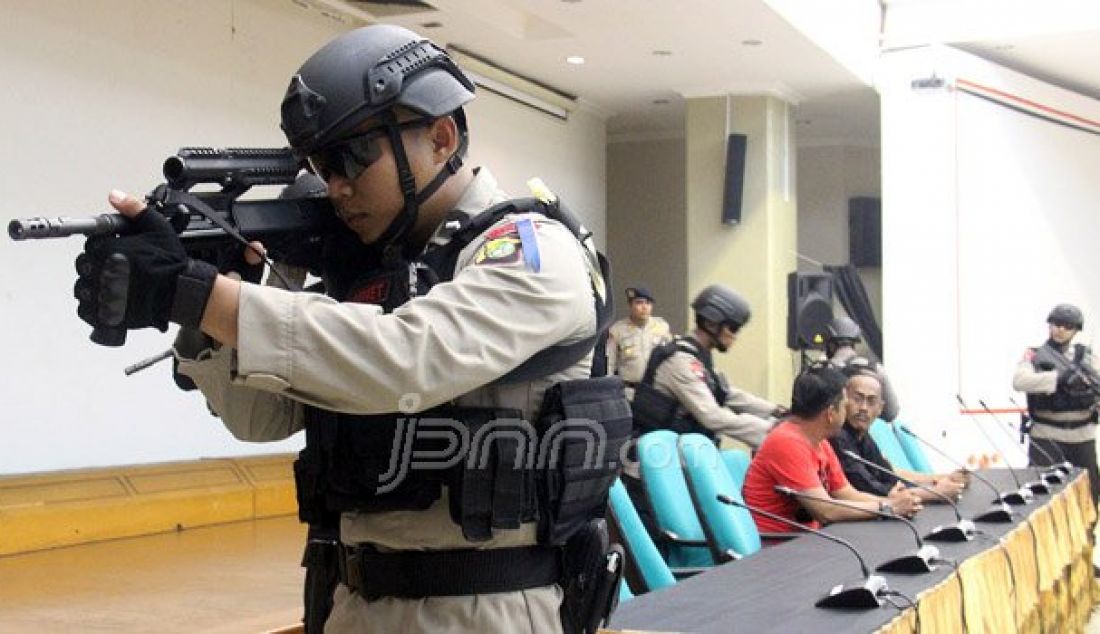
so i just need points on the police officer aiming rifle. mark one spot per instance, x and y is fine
(476, 323)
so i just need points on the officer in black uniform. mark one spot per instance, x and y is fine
(1062, 388)
(841, 336)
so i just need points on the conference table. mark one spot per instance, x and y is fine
(1029, 575)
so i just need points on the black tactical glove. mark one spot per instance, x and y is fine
(134, 281)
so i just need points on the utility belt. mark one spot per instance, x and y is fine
(1065, 424)
(587, 568)
(446, 573)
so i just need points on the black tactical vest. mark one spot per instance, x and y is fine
(358, 462)
(1046, 358)
(655, 410)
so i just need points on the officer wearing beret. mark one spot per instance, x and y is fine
(1061, 385)
(631, 340)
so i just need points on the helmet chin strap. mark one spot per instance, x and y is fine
(391, 238)
(715, 339)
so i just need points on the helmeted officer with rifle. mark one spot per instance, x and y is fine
(1062, 388)
(443, 386)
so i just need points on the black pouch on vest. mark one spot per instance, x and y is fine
(652, 410)
(591, 571)
(308, 471)
(583, 427)
(494, 485)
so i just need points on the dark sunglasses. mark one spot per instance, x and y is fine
(1063, 324)
(351, 156)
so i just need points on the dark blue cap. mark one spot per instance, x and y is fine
(638, 292)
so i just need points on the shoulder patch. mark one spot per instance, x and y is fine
(698, 369)
(1029, 354)
(501, 250)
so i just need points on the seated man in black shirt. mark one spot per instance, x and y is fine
(864, 391)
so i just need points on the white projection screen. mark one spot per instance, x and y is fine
(1028, 196)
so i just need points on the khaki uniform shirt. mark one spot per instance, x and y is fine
(1028, 379)
(629, 346)
(743, 416)
(446, 346)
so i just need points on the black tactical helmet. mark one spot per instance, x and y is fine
(365, 72)
(721, 305)
(843, 329)
(1067, 314)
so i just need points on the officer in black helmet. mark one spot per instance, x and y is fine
(480, 317)
(841, 336)
(1061, 385)
(682, 391)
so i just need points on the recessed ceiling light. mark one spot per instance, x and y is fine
(661, 102)
(571, 1)
(576, 60)
(751, 42)
(431, 25)
(662, 53)
(1004, 47)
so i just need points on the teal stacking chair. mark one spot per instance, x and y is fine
(917, 458)
(887, 440)
(645, 570)
(680, 531)
(730, 530)
(737, 464)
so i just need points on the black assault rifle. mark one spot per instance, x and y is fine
(292, 230)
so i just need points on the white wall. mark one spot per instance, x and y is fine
(988, 221)
(96, 96)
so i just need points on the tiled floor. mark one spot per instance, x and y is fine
(230, 579)
(234, 578)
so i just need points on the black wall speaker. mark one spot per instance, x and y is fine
(865, 231)
(809, 309)
(735, 178)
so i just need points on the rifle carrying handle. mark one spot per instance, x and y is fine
(109, 336)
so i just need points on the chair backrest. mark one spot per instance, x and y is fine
(728, 528)
(639, 547)
(666, 489)
(737, 463)
(913, 450)
(883, 435)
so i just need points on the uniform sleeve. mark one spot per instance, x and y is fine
(685, 377)
(506, 302)
(249, 414)
(1027, 379)
(743, 402)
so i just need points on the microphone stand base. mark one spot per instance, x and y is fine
(999, 515)
(963, 531)
(1015, 498)
(1038, 487)
(862, 597)
(1054, 477)
(919, 562)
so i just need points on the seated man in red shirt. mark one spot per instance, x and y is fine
(796, 454)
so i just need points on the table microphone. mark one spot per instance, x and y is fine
(924, 560)
(963, 530)
(1022, 494)
(1065, 466)
(1054, 476)
(867, 595)
(1001, 513)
